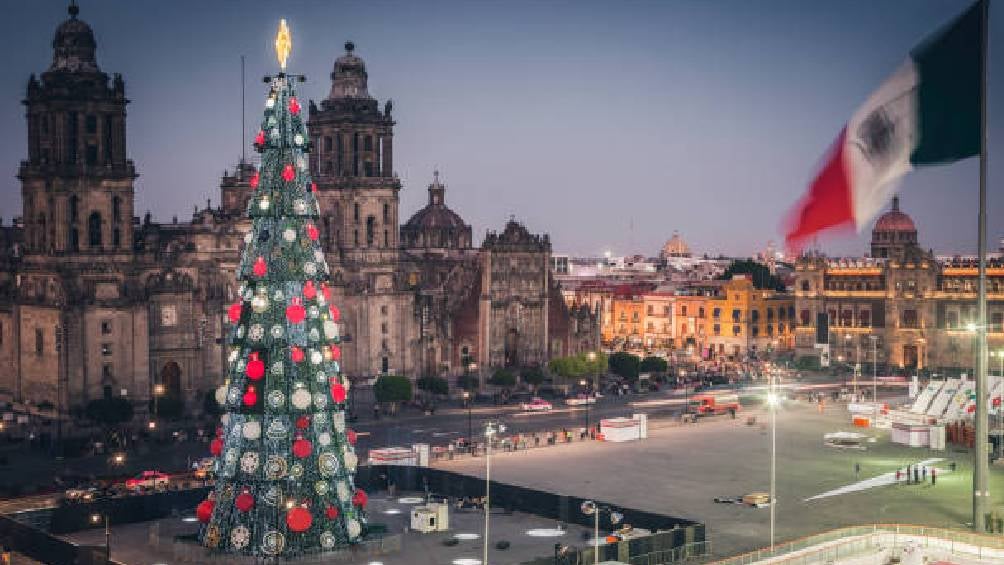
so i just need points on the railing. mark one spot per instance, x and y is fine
(855, 540)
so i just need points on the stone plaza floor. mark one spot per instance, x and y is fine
(529, 537)
(680, 469)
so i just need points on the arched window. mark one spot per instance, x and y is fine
(41, 231)
(386, 213)
(74, 208)
(94, 229)
(116, 209)
(370, 228)
(805, 286)
(74, 240)
(355, 212)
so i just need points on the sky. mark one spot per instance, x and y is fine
(607, 125)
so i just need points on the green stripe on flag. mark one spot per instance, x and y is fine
(949, 65)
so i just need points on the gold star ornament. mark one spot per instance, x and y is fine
(283, 43)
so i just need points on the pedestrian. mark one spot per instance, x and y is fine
(925, 473)
(909, 469)
(952, 466)
(857, 470)
(898, 473)
(934, 476)
(916, 474)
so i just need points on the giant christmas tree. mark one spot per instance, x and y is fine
(285, 461)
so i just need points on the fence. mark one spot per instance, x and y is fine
(844, 543)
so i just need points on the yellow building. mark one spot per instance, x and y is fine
(745, 320)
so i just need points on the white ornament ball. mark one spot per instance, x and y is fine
(310, 268)
(353, 528)
(338, 419)
(289, 234)
(264, 203)
(330, 329)
(351, 461)
(316, 357)
(298, 139)
(225, 419)
(247, 237)
(300, 399)
(252, 430)
(221, 395)
(343, 490)
(270, 102)
(324, 438)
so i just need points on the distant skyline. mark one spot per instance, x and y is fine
(607, 125)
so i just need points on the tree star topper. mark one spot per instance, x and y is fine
(283, 43)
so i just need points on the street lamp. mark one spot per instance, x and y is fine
(582, 383)
(772, 401)
(492, 428)
(158, 391)
(96, 519)
(467, 401)
(592, 368)
(874, 340)
(590, 508)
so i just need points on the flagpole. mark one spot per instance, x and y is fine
(981, 491)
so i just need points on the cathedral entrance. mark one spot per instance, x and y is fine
(910, 356)
(170, 379)
(511, 349)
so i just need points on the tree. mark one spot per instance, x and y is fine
(573, 367)
(286, 459)
(653, 364)
(109, 412)
(433, 385)
(625, 365)
(503, 378)
(167, 407)
(392, 389)
(533, 376)
(469, 383)
(758, 272)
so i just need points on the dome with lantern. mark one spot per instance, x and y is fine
(74, 45)
(436, 225)
(893, 233)
(675, 247)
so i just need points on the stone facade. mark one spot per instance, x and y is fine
(94, 301)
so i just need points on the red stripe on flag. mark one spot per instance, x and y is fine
(826, 205)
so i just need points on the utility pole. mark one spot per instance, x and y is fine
(981, 490)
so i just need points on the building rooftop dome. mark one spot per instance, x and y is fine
(894, 220)
(436, 214)
(349, 78)
(73, 46)
(676, 247)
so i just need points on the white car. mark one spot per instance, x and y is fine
(536, 405)
(580, 400)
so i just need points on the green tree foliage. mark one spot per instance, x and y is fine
(433, 385)
(653, 364)
(468, 382)
(576, 366)
(168, 407)
(807, 363)
(392, 389)
(758, 272)
(503, 378)
(109, 411)
(533, 376)
(625, 364)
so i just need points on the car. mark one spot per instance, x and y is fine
(82, 494)
(580, 400)
(536, 405)
(148, 480)
(203, 467)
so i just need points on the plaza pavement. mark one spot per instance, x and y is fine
(680, 469)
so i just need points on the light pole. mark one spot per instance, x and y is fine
(874, 340)
(772, 402)
(592, 368)
(491, 429)
(582, 383)
(158, 391)
(96, 519)
(467, 401)
(590, 508)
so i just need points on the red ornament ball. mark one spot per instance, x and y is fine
(254, 180)
(336, 314)
(296, 354)
(360, 499)
(313, 187)
(302, 448)
(259, 268)
(331, 512)
(259, 139)
(336, 352)
(352, 436)
(294, 106)
(312, 232)
(234, 312)
(302, 422)
(295, 312)
(250, 397)
(337, 392)
(288, 173)
(298, 519)
(204, 511)
(309, 290)
(244, 501)
(256, 367)
(216, 447)
(327, 292)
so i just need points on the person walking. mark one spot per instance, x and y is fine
(857, 471)
(909, 470)
(925, 473)
(898, 473)
(916, 474)
(934, 476)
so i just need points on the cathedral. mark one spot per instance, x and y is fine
(97, 302)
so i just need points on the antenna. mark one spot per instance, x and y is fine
(243, 129)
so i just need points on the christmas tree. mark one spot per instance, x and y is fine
(285, 459)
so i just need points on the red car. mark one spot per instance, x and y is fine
(148, 480)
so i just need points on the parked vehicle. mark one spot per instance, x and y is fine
(713, 403)
(203, 467)
(536, 405)
(580, 400)
(81, 494)
(148, 480)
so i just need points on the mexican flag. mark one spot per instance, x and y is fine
(926, 113)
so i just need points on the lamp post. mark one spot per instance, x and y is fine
(874, 340)
(772, 402)
(491, 429)
(590, 508)
(158, 391)
(467, 401)
(96, 519)
(582, 383)
(592, 369)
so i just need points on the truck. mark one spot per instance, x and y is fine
(713, 403)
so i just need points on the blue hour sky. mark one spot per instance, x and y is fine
(606, 124)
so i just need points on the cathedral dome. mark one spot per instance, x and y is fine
(676, 247)
(73, 46)
(349, 78)
(436, 225)
(894, 220)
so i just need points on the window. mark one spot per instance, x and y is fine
(805, 317)
(996, 322)
(91, 123)
(755, 331)
(665, 310)
(716, 313)
(780, 327)
(736, 315)
(116, 237)
(386, 238)
(106, 327)
(754, 316)
(327, 145)
(384, 365)
(92, 154)
(39, 341)
(952, 320)
(383, 328)
(106, 349)
(805, 286)
(386, 213)
(651, 310)
(1, 333)
(94, 230)
(74, 240)
(355, 212)
(116, 209)
(74, 205)
(634, 316)
(106, 371)
(770, 314)
(717, 328)
(865, 318)
(383, 309)
(683, 310)
(370, 228)
(700, 312)
(736, 330)
(909, 319)
(355, 237)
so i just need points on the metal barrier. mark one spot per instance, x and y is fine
(855, 540)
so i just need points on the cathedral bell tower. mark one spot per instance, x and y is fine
(77, 184)
(353, 165)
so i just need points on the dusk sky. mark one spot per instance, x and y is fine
(582, 119)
